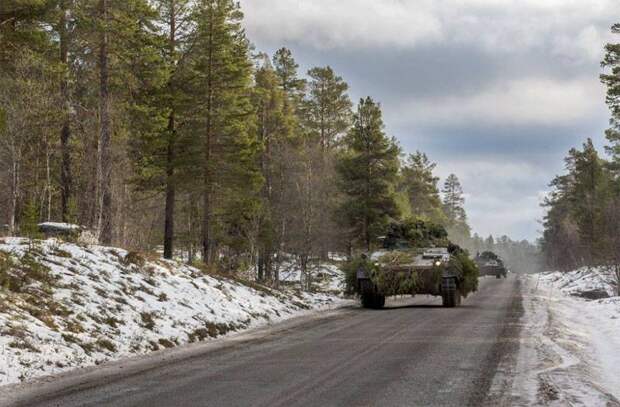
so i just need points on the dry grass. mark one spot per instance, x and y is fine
(148, 320)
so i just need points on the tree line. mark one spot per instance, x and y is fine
(158, 123)
(583, 209)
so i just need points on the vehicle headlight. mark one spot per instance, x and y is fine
(437, 263)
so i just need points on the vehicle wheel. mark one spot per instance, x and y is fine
(449, 293)
(368, 300)
(498, 276)
(370, 297)
(379, 301)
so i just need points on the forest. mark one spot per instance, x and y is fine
(583, 208)
(159, 126)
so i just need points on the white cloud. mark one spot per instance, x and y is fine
(494, 25)
(527, 101)
(342, 23)
(500, 197)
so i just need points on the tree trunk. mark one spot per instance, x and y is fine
(105, 159)
(170, 154)
(14, 194)
(207, 186)
(260, 266)
(65, 131)
(48, 183)
(190, 229)
(170, 192)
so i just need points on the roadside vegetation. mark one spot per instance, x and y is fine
(583, 210)
(156, 126)
(64, 305)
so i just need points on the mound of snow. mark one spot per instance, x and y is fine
(64, 306)
(583, 280)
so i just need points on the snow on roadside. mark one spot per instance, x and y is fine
(64, 306)
(569, 348)
(327, 277)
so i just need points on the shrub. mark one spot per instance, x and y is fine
(106, 344)
(134, 258)
(166, 343)
(148, 320)
(8, 280)
(29, 225)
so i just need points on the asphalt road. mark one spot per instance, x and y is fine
(412, 353)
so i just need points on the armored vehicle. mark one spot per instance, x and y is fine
(490, 264)
(404, 269)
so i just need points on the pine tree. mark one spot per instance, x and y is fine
(118, 45)
(105, 127)
(420, 186)
(453, 198)
(368, 172)
(328, 108)
(65, 37)
(454, 210)
(223, 75)
(286, 70)
(612, 82)
(165, 105)
(327, 116)
(21, 28)
(275, 124)
(588, 196)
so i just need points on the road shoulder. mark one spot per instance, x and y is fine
(557, 364)
(82, 378)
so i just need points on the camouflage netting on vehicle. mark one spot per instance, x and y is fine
(409, 283)
(415, 233)
(487, 255)
(350, 269)
(404, 241)
(468, 270)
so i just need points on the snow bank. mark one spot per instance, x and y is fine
(569, 351)
(582, 281)
(64, 306)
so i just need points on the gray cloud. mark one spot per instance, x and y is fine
(496, 91)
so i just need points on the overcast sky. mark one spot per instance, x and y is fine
(495, 91)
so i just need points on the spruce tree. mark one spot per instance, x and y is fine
(368, 172)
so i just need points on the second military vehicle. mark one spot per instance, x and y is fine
(490, 264)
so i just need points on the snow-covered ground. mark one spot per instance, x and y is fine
(327, 277)
(64, 306)
(570, 348)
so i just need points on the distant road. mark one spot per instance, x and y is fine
(412, 353)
